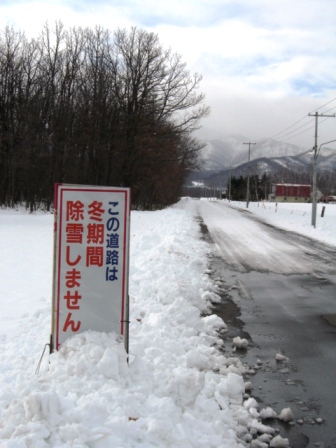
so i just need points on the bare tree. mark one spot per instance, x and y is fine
(158, 100)
(94, 107)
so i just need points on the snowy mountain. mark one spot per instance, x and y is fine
(220, 154)
(224, 154)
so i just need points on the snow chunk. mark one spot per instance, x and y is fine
(280, 357)
(214, 321)
(259, 427)
(235, 387)
(211, 297)
(251, 403)
(267, 413)
(265, 438)
(239, 342)
(254, 413)
(258, 444)
(286, 415)
(279, 442)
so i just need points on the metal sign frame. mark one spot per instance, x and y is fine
(91, 261)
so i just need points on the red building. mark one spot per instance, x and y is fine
(290, 193)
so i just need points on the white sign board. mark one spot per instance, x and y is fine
(90, 260)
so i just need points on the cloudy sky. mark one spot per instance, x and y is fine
(266, 64)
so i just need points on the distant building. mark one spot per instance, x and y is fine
(290, 193)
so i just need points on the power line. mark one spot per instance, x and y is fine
(302, 132)
(299, 121)
(289, 127)
(324, 105)
(332, 108)
(295, 130)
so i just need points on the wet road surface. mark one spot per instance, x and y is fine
(279, 292)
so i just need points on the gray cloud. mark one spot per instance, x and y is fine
(265, 64)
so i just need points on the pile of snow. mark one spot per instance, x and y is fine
(178, 388)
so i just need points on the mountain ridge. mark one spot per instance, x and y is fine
(228, 155)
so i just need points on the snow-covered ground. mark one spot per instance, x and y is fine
(298, 218)
(181, 387)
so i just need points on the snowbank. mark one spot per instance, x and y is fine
(178, 389)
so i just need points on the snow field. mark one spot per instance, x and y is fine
(297, 218)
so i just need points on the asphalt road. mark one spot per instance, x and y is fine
(278, 290)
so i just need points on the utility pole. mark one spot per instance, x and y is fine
(248, 174)
(316, 115)
(230, 186)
